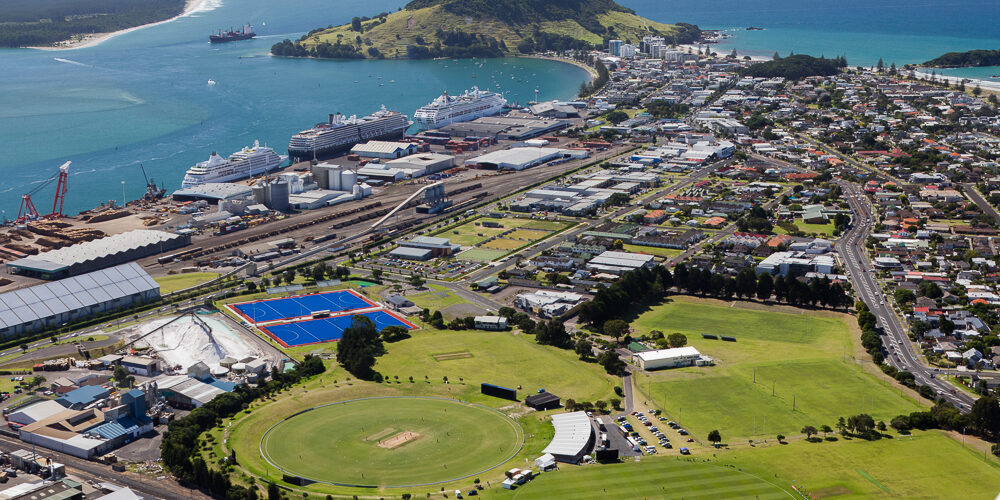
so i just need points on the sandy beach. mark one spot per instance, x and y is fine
(987, 85)
(93, 39)
(590, 69)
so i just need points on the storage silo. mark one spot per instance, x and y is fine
(277, 198)
(348, 179)
(260, 193)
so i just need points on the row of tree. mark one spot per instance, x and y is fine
(182, 440)
(650, 286)
(597, 83)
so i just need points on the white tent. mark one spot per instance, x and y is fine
(545, 461)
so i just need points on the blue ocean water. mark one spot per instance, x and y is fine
(144, 97)
(900, 31)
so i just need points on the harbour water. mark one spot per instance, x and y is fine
(145, 97)
(900, 31)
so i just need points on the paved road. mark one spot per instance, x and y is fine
(973, 194)
(900, 352)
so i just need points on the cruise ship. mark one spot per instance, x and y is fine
(340, 133)
(242, 164)
(448, 109)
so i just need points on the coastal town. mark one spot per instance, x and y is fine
(707, 275)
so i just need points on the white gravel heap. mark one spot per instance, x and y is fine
(186, 341)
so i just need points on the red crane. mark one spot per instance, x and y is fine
(61, 187)
(27, 212)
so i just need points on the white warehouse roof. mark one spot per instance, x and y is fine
(573, 432)
(676, 352)
(517, 158)
(96, 249)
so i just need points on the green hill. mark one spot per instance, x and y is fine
(970, 59)
(483, 28)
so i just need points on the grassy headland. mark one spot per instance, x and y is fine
(968, 59)
(427, 29)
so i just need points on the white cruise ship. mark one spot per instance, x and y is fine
(340, 133)
(448, 109)
(242, 164)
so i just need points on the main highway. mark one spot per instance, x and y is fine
(898, 349)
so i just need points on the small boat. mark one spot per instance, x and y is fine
(211, 81)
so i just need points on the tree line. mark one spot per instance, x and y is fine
(795, 67)
(182, 440)
(597, 83)
(646, 286)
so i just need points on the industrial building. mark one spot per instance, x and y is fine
(51, 305)
(512, 128)
(515, 158)
(574, 435)
(620, 262)
(424, 248)
(422, 164)
(183, 391)
(213, 192)
(98, 254)
(668, 358)
(386, 150)
(89, 432)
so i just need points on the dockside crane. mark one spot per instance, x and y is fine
(28, 212)
(153, 192)
(61, 188)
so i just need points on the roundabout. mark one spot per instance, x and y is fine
(391, 442)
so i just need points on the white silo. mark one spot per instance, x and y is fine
(335, 178)
(348, 179)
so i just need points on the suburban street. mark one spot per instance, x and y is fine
(900, 351)
(973, 194)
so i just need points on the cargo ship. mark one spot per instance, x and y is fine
(339, 133)
(244, 33)
(448, 109)
(242, 164)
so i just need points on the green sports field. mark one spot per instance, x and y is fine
(482, 254)
(653, 477)
(176, 282)
(785, 371)
(926, 465)
(392, 441)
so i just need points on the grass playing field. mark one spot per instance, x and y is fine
(504, 244)
(438, 298)
(659, 252)
(482, 254)
(784, 371)
(897, 467)
(653, 477)
(393, 441)
(176, 282)
(926, 465)
(498, 358)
